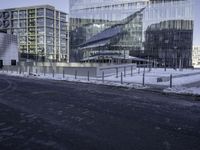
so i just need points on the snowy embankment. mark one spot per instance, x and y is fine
(183, 90)
(135, 80)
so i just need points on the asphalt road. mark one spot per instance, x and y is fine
(58, 115)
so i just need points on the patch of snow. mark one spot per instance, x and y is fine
(183, 90)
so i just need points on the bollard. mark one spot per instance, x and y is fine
(36, 71)
(20, 71)
(124, 71)
(149, 68)
(63, 73)
(53, 73)
(143, 79)
(88, 76)
(117, 72)
(29, 71)
(171, 81)
(131, 70)
(103, 76)
(44, 71)
(75, 74)
(139, 70)
(121, 78)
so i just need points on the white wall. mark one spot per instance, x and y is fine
(8, 48)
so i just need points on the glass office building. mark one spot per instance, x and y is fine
(122, 30)
(42, 32)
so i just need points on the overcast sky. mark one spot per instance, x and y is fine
(59, 4)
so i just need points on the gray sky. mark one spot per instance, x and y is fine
(59, 4)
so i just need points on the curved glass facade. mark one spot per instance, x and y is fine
(123, 27)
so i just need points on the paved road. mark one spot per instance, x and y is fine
(58, 115)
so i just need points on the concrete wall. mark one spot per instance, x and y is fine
(94, 70)
(116, 69)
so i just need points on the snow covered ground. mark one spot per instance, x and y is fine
(179, 77)
(179, 81)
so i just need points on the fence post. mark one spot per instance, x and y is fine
(121, 78)
(171, 81)
(29, 70)
(117, 72)
(75, 74)
(139, 70)
(53, 73)
(20, 70)
(103, 76)
(124, 71)
(63, 73)
(131, 70)
(149, 67)
(88, 75)
(44, 71)
(143, 79)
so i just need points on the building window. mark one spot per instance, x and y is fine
(14, 14)
(49, 40)
(14, 23)
(50, 13)
(40, 22)
(31, 13)
(31, 22)
(22, 23)
(50, 22)
(40, 30)
(63, 26)
(22, 14)
(40, 12)
(40, 39)
(13, 62)
(62, 17)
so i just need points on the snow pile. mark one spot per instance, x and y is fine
(183, 90)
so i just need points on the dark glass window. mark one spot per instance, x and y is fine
(40, 12)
